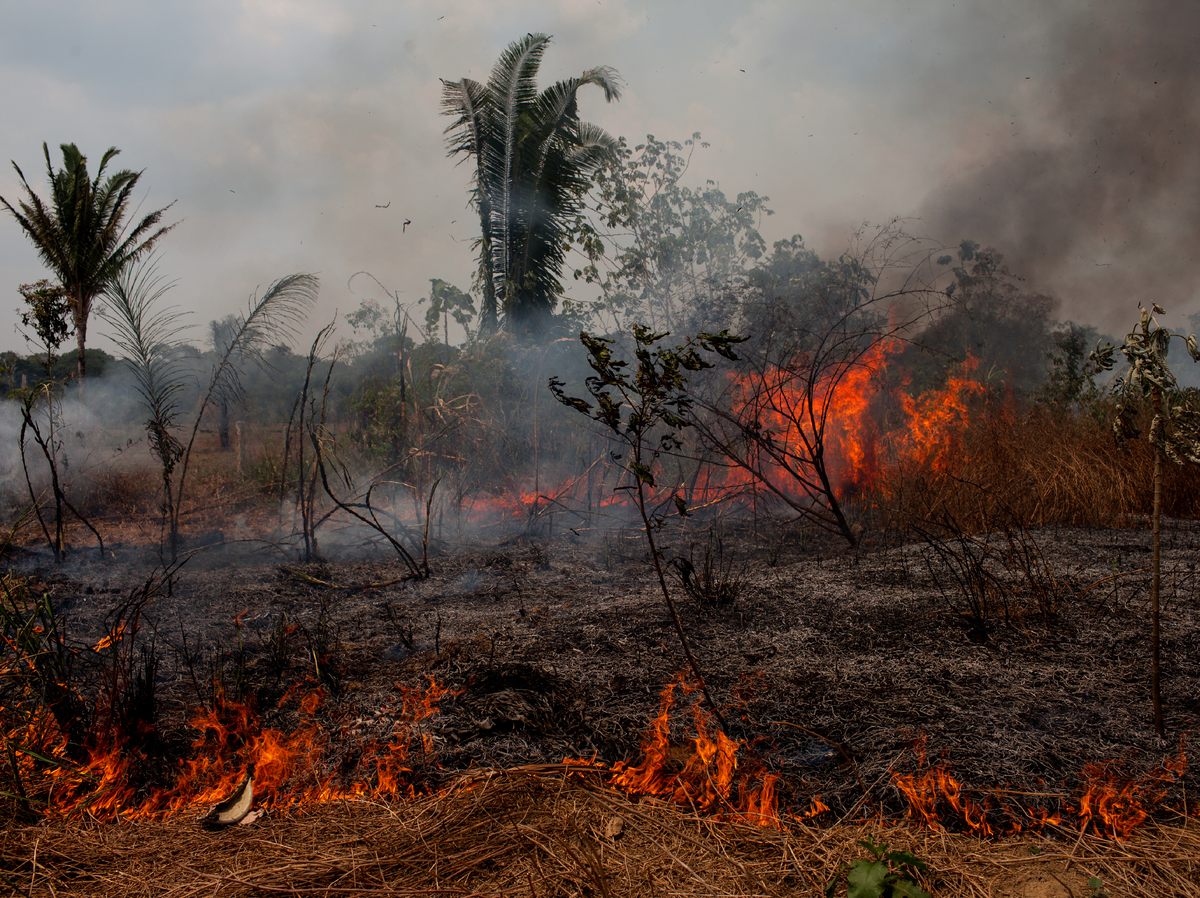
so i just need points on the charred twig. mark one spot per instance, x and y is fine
(370, 519)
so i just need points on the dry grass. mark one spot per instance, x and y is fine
(1039, 467)
(539, 832)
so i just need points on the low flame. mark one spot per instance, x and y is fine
(703, 771)
(935, 791)
(110, 638)
(1112, 803)
(291, 768)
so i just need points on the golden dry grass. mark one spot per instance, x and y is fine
(536, 832)
(1038, 467)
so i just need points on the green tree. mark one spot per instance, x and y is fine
(990, 315)
(534, 161)
(45, 318)
(1174, 434)
(445, 302)
(1072, 377)
(793, 296)
(81, 233)
(663, 251)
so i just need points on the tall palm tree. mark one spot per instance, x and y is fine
(80, 232)
(534, 161)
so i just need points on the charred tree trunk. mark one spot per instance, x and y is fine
(223, 424)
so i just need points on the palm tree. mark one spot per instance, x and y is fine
(80, 232)
(534, 161)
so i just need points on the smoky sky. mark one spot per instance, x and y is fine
(1097, 194)
(301, 135)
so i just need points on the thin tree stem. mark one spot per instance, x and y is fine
(648, 529)
(1156, 579)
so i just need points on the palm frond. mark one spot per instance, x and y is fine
(148, 334)
(136, 242)
(607, 78)
(270, 317)
(593, 146)
(104, 160)
(467, 102)
(39, 225)
(513, 79)
(513, 87)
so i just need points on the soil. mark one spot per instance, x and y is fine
(834, 665)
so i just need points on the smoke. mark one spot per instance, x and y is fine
(96, 433)
(1098, 196)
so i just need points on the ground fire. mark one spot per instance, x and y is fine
(705, 770)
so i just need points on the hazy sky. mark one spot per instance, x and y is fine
(1061, 131)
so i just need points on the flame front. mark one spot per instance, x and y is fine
(707, 770)
(833, 417)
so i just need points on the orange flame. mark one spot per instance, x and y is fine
(291, 768)
(1115, 805)
(936, 419)
(832, 416)
(109, 638)
(707, 771)
(1112, 803)
(702, 774)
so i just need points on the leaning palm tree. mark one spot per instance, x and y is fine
(80, 231)
(534, 161)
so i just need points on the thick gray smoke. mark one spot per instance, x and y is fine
(1099, 199)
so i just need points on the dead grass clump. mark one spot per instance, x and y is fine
(710, 574)
(546, 831)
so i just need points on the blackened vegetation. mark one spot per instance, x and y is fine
(832, 665)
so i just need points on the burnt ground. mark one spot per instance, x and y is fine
(832, 663)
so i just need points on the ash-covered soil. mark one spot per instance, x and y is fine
(831, 663)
